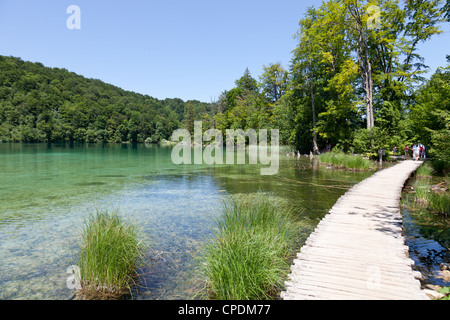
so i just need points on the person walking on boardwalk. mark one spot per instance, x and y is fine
(423, 155)
(416, 152)
(394, 150)
(406, 151)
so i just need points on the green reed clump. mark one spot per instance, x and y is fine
(424, 195)
(109, 255)
(422, 188)
(249, 254)
(425, 170)
(342, 160)
(440, 202)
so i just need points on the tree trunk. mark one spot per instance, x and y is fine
(315, 146)
(366, 71)
(365, 65)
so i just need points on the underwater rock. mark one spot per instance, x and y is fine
(444, 266)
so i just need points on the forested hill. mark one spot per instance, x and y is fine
(41, 104)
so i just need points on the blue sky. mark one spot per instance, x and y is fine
(189, 49)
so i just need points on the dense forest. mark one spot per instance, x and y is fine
(355, 81)
(41, 104)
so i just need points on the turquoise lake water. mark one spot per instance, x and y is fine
(47, 190)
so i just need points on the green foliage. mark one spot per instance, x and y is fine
(430, 116)
(247, 83)
(342, 74)
(248, 256)
(274, 81)
(333, 60)
(369, 141)
(40, 104)
(189, 118)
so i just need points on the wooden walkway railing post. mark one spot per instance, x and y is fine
(358, 251)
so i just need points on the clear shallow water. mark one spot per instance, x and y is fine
(428, 242)
(47, 190)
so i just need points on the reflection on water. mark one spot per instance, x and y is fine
(47, 190)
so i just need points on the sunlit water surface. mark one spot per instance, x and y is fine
(47, 190)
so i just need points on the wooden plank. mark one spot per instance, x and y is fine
(363, 272)
(364, 280)
(337, 291)
(351, 260)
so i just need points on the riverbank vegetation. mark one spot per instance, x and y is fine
(427, 199)
(435, 197)
(248, 257)
(347, 161)
(358, 89)
(42, 104)
(109, 257)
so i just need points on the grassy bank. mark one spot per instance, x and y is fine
(109, 255)
(347, 161)
(249, 254)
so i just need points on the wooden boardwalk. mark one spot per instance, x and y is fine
(358, 251)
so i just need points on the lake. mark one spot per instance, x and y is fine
(47, 190)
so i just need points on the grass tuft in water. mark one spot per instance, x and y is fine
(108, 259)
(425, 170)
(424, 195)
(249, 254)
(342, 160)
(423, 191)
(440, 202)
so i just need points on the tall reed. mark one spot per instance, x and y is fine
(440, 202)
(425, 170)
(108, 258)
(249, 253)
(342, 160)
(424, 195)
(422, 188)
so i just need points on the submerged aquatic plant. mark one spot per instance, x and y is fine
(108, 259)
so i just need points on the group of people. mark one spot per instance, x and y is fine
(418, 151)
